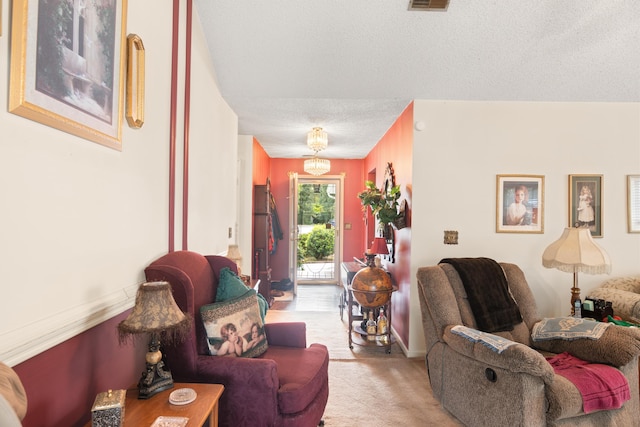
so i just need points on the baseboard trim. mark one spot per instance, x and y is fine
(405, 350)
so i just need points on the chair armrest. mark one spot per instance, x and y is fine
(516, 358)
(253, 380)
(287, 334)
(626, 304)
(617, 346)
(264, 372)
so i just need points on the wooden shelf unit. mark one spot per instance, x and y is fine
(261, 269)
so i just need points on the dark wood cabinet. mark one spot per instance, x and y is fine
(262, 234)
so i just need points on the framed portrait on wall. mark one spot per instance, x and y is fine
(520, 204)
(585, 202)
(67, 66)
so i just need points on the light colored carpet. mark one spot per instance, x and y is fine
(379, 392)
(367, 386)
(326, 328)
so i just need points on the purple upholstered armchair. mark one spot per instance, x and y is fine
(286, 386)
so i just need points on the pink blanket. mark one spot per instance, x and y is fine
(602, 386)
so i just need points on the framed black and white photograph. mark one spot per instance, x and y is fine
(585, 203)
(67, 66)
(520, 204)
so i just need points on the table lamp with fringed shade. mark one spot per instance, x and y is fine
(155, 313)
(576, 251)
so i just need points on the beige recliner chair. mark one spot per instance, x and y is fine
(517, 387)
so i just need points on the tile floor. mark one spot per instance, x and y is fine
(312, 298)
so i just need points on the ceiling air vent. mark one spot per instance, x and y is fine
(428, 4)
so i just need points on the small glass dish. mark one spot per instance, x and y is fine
(182, 396)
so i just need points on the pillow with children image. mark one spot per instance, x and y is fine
(230, 286)
(234, 327)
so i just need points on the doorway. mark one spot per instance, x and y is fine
(315, 219)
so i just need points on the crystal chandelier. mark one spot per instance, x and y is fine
(317, 139)
(316, 166)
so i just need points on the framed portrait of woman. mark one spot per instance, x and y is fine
(585, 202)
(520, 204)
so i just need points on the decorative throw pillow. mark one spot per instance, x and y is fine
(234, 327)
(231, 286)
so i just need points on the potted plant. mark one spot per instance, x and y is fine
(384, 205)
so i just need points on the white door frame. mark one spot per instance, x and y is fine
(294, 180)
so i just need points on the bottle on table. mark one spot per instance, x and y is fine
(365, 319)
(371, 327)
(383, 327)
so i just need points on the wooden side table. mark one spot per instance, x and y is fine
(349, 269)
(142, 413)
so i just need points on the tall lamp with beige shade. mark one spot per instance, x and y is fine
(576, 251)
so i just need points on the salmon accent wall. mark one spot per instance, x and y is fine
(353, 184)
(396, 147)
(261, 164)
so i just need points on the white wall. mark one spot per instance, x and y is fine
(214, 157)
(466, 144)
(244, 236)
(79, 221)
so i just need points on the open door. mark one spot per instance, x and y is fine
(315, 218)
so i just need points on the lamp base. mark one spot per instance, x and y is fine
(575, 294)
(157, 377)
(370, 259)
(154, 380)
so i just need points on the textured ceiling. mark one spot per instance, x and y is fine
(352, 66)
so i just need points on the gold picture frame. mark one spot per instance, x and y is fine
(519, 203)
(134, 111)
(633, 203)
(585, 202)
(63, 77)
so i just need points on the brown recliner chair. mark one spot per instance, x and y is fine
(288, 385)
(517, 387)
